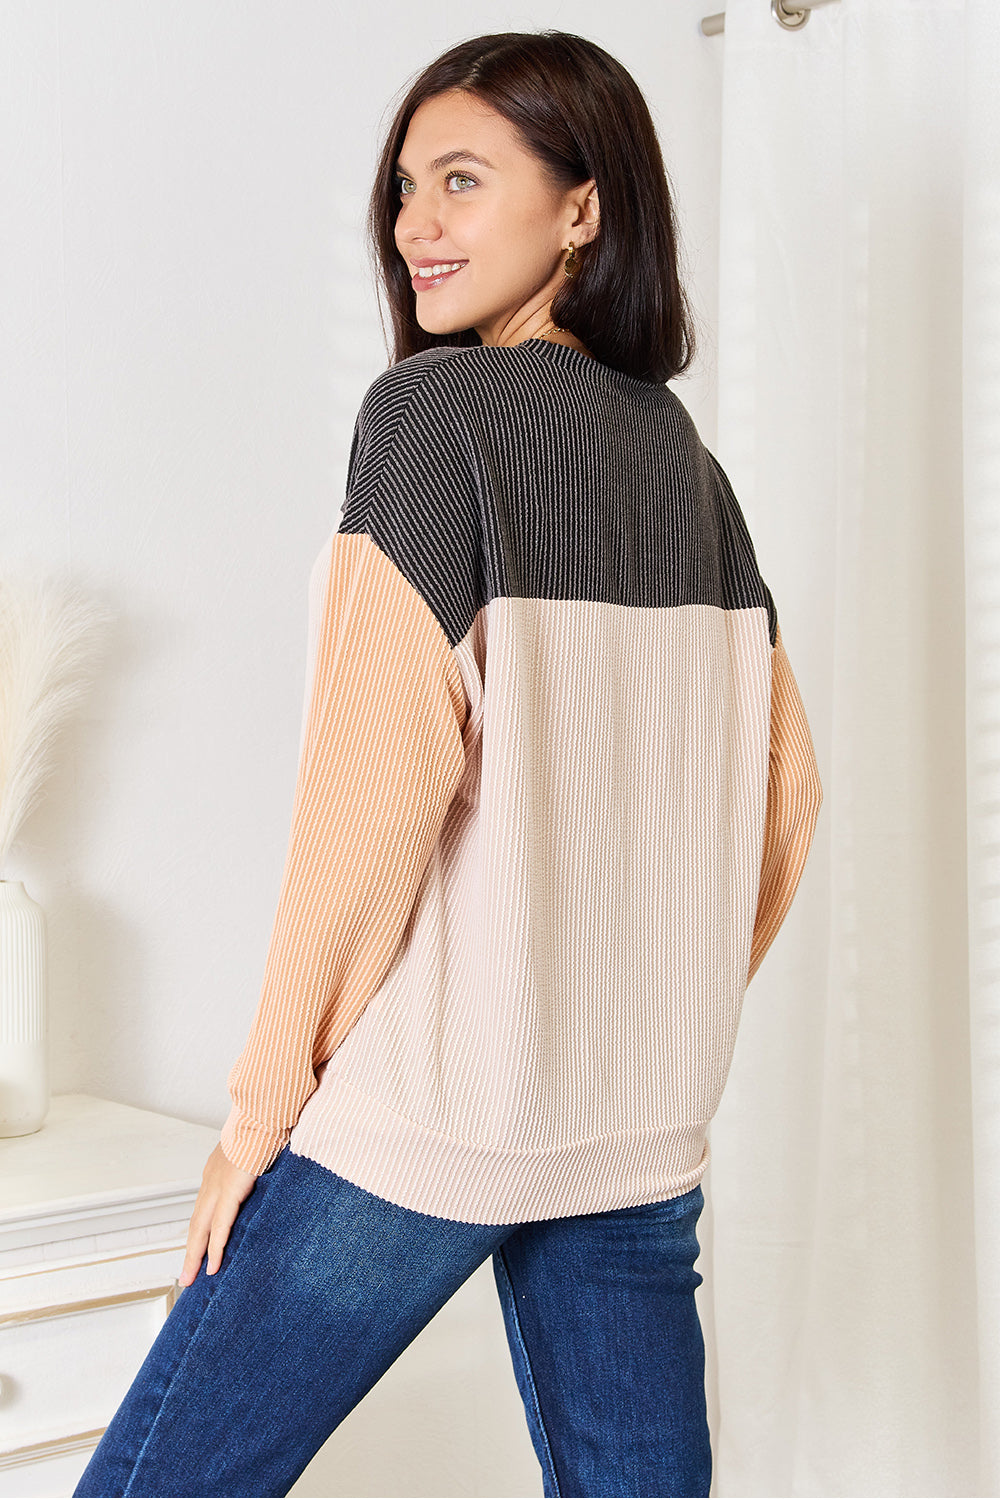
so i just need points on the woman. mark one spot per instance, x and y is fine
(555, 794)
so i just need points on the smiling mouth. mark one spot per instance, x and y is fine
(430, 276)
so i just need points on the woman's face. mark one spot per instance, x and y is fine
(471, 196)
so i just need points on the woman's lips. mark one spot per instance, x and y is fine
(424, 283)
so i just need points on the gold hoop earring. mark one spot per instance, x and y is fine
(571, 265)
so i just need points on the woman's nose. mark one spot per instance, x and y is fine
(417, 220)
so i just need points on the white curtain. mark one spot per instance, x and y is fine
(854, 1247)
(981, 409)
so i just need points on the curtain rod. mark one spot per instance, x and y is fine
(788, 13)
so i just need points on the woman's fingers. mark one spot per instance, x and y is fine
(222, 1222)
(197, 1243)
(223, 1189)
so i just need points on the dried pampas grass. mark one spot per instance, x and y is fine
(50, 639)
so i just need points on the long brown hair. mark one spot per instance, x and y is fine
(582, 115)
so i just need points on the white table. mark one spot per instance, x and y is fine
(94, 1210)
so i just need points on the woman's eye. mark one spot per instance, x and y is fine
(404, 185)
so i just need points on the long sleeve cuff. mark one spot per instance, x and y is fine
(248, 1144)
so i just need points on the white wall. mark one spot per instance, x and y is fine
(189, 326)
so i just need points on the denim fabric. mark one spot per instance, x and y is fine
(323, 1285)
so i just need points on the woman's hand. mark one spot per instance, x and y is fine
(223, 1188)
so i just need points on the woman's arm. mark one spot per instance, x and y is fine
(794, 795)
(382, 757)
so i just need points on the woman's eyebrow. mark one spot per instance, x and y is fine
(440, 162)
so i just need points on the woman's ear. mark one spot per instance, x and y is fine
(587, 213)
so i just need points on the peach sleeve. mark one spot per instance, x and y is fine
(794, 795)
(381, 758)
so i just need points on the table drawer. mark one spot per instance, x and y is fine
(65, 1368)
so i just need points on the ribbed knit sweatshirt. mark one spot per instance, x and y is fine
(555, 793)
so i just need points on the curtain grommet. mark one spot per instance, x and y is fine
(788, 16)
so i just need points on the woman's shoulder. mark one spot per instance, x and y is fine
(405, 439)
(485, 387)
(405, 389)
(425, 367)
(488, 367)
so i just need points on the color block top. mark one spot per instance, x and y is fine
(555, 793)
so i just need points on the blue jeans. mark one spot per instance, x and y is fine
(323, 1285)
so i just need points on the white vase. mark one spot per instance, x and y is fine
(24, 1062)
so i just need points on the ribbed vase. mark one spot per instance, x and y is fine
(24, 1062)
